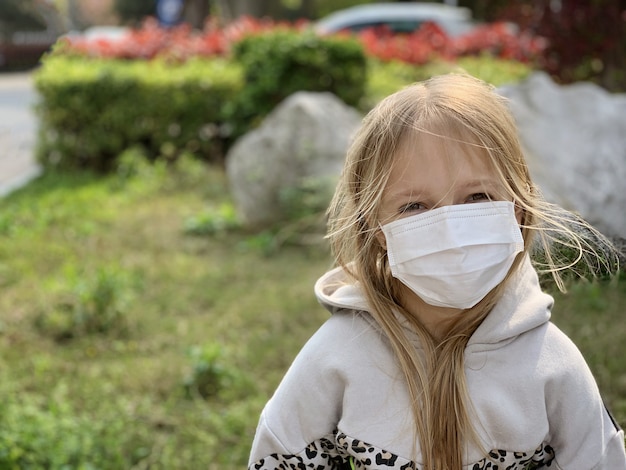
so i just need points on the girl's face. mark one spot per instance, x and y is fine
(432, 172)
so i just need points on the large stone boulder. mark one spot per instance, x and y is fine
(305, 138)
(575, 141)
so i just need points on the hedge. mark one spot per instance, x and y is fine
(91, 110)
(280, 62)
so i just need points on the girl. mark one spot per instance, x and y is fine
(439, 353)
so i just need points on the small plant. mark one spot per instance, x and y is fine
(304, 225)
(213, 222)
(304, 207)
(87, 305)
(309, 198)
(208, 374)
(264, 242)
(133, 162)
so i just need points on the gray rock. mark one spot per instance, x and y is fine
(305, 138)
(574, 137)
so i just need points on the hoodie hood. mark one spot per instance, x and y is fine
(337, 291)
(522, 307)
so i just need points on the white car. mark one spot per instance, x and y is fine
(96, 33)
(398, 17)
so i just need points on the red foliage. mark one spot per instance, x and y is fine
(416, 48)
(502, 40)
(429, 42)
(179, 43)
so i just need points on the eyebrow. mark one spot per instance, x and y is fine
(475, 183)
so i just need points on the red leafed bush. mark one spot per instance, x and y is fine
(501, 40)
(430, 41)
(179, 43)
(420, 47)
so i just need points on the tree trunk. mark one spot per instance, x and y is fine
(195, 12)
(232, 9)
(76, 19)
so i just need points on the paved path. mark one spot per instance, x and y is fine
(18, 127)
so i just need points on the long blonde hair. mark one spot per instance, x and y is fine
(470, 111)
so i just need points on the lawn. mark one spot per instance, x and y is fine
(139, 331)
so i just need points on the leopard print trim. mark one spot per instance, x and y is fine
(319, 455)
(367, 456)
(344, 453)
(503, 460)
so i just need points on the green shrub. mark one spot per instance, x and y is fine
(385, 78)
(208, 373)
(91, 110)
(85, 305)
(38, 433)
(281, 62)
(213, 221)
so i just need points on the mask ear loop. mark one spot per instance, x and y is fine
(365, 227)
(382, 239)
(520, 214)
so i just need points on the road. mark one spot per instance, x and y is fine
(18, 128)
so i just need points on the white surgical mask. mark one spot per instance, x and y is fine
(453, 256)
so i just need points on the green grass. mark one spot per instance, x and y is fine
(173, 310)
(592, 314)
(175, 292)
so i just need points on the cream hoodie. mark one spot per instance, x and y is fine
(343, 399)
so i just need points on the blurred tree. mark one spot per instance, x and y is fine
(231, 9)
(324, 7)
(134, 11)
(587, 39)
(74, 15)
(195, 12)
(276, 9)
(28, 28)
(484, 10)
(20, 14)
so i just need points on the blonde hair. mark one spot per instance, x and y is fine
(459, 108)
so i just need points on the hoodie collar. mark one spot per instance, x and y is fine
(522, 307)
(336, 291)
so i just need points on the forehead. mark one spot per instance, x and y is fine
(430, 150)
(428, 162)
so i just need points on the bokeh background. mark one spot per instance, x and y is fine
(143, 321)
